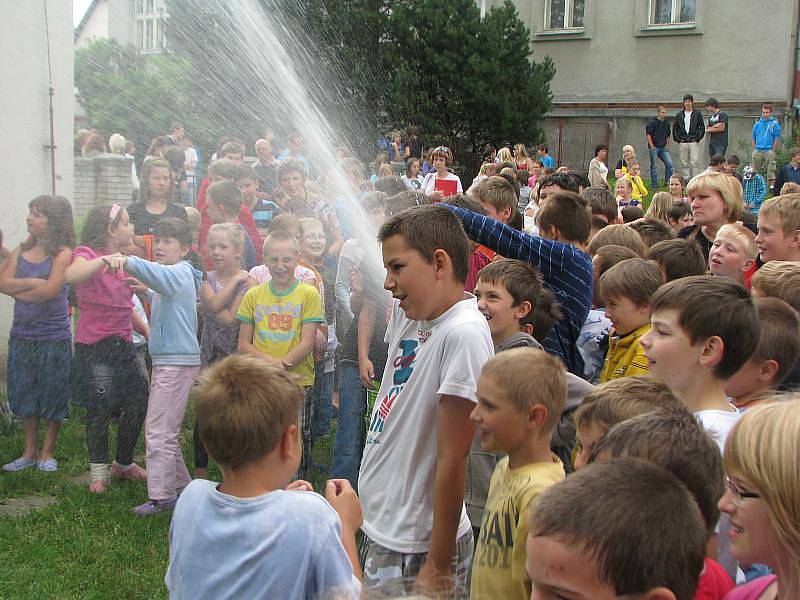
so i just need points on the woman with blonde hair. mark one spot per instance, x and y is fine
(716, 199)
(504, 155)
(659, 207)
(523, 159)
(624, 163)
(762, 462)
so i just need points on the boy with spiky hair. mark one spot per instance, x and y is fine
(417, 530)
(779, 228)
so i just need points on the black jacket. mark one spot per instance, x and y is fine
(697, 128)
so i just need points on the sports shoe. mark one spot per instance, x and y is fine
(19, 464)
(134, 472)
(98, 486)
(48, 466)
(154, 507)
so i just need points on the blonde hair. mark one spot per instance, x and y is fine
(787, 209)
(504, 155)
(660, 206)
(618, 235)
(763, 448)
(521, 151)
(728, 187)
(530, 376)
(633, 152)
(742, 235)
(116, 143)
(779, 279)
(232, 230)
(790, 187)
(244, 406)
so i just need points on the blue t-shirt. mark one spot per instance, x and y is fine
(277, 545)
(548, 162)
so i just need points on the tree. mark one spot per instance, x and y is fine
(466, 81)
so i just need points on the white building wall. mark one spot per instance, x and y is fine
(24, 117)
(96, 27)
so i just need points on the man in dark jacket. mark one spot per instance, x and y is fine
(657, 133)
(688, 130)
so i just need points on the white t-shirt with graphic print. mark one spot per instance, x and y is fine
(427, 359)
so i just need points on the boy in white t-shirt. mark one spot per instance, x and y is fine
(414, 465)
(704, 329)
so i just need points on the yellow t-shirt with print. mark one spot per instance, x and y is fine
(625, 356)
(278, 317)
(498, 569)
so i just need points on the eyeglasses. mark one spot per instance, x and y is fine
(738, 493)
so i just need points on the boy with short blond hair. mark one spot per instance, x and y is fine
(279, 322)
(253, 527)
(497, 198)
(778, 279)
(626, 289)
(613, 402)
(637, 532)
(774, 358)
(520, 398)
(733, 253)
(417, 530)
(779, 228)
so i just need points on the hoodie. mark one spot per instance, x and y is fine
(481, 464)
(173, 318)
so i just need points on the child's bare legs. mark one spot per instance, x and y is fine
(30, 426)
(51, 429)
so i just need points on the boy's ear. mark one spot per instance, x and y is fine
(712, 352)
(550, 233)
(748, 264)
(659, 594)
(522, 309)
(288, 445)
(441, 262)
(537, 416)
(768, 370)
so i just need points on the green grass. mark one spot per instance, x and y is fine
(86, 545)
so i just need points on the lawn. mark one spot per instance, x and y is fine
(86, 545)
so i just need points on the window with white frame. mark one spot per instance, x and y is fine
(564, 14)
(668, 12)
(151, 22)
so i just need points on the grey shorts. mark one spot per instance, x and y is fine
(390, 574)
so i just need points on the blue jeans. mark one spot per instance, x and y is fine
(349, 443)
(323, 410)
(664, 155)
(716, 149)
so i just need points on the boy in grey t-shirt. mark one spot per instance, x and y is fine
(254, 536)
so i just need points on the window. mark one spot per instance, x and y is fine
(564, 14)
(151, 22)
(667, 12)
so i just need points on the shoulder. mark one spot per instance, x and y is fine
(751, 590)
(84, 252)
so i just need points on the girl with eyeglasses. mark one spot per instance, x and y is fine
(441, 183)
(762, 461)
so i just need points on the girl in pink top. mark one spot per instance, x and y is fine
(762, 461)
(107, 377)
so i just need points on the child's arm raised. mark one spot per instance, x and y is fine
(51, 288)
(453, 440)
(167, 280)
(81, 269)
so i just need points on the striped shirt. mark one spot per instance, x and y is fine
(567, 272)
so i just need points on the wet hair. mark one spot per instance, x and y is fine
(618, 235)
(713, 306)
(390, 185)
(174, 228)
(673, 439)
(227, 195)
(244, 406)
(638, 523)
(524, 283)
(636, 279)
(529, 376)
(95, 227)
(652, 231)
(567, 212)
(602, 203)
(60, 226)
(150, 163)
(429, 228)
(678, 258)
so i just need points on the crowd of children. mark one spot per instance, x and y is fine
(541, 393)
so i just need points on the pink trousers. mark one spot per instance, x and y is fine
(169, 393)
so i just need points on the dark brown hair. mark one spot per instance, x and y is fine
(636, 279)
(96, 226)
(780, 335)
(567, 212)
(60, 226)
(678, 258)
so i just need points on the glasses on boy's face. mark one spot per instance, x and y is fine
(739, 494)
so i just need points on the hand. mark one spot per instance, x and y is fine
(344, 500)
(115, 262)
(436, 194)
(366, 373)
(320, 346)
(136, 285)
(356, 281)
(242, 277)
(300, 486)
(433, 582)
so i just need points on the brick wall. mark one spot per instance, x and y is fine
(101, 180)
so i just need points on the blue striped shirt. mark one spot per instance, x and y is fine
(566, 270)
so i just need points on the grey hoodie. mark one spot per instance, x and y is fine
(481, 464)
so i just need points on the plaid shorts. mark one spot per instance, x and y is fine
(390, 574)
(305, 420)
